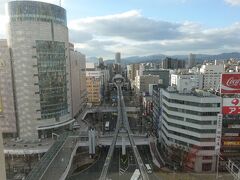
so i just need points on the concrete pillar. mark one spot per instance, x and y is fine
(90, 142)
(123, 145)
(93, 141)
(2, 160)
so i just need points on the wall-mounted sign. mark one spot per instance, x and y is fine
(231, 143)
(218, 133)
(231, 106)
(230, 83)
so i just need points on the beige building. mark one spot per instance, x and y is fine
(211, 75)
(2, 160)
(142, 82)
(93, 89)
(78, 80)
(41, 69)
(7, 110)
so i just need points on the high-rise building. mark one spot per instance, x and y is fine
(7, 111)
(142, 82)
(188, 124)
(118, 58)
(170, 63)
(2, 160)
(94, 82)
(211, 75)
(191, 60)
(39, 51)
(230, 144)
(163, 74)
(78, 81)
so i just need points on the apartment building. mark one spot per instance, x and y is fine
(211, 75)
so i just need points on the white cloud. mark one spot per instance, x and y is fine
(134, 34)
(233, 2)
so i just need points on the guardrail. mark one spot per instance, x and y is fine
(41, 167)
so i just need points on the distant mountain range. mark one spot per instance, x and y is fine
(158, 57)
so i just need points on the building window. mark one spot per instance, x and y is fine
(206, 166)
(207, 157)
(52, 78)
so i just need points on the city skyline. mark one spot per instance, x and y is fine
(140, 28)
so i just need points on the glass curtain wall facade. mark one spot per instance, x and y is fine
(52, 78)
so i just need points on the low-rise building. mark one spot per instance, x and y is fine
(193, 80)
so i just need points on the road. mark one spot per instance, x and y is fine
(59, 164)
(94, 171)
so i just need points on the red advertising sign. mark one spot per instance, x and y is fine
(231, 106)
(230, 83)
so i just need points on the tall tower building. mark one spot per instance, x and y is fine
(118, 58)
(191, 60)
(39, 51)
(2, 160)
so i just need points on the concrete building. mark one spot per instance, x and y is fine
(118, 58)
(170, 63)
(132, 72)
(211, 75)
(188, 122)
(8, 125)
(94, 87)
(157, 109)
(163, 74)
(38, 40)
(78, 81)
(2, 160)
(191, 60)
(96, 81)
(187, 81)
(142, 82)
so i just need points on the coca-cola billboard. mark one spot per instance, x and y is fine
(230, 83)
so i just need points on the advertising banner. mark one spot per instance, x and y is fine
(231, 143)
(230, 83)
(231, 106)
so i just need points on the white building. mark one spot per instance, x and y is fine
(7, 110)
(211, 75)
(189, 121)
(2, 160)
(38, 39)
(187, 81)
(78, 81)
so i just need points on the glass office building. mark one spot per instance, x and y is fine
(39, 44)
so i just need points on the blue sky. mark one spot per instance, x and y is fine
(144, 27)
(211, 13)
